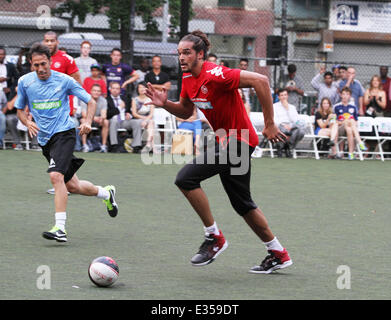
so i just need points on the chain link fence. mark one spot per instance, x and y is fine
(315, 33)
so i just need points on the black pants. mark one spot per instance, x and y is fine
(232, 164)
(59, 153)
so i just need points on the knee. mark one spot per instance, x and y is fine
(72, 187)
(56, 178)
(105, 123)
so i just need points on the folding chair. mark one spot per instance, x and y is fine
(365, 126)
(258, 123)
(307, 122)
(165, 123)
(383, 126)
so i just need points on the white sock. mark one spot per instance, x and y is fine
(274, 245)
(212, 229)
(103, 193)
(61, 217)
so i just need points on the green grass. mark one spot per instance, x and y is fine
(326, 213)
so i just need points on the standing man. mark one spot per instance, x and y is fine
(356, 89)
(8, 76)
(157, 77)
(214, 90)
(294, 84)
(46, 92)
(247, 92)
(118, 71)
(84, 62)
(326, 87)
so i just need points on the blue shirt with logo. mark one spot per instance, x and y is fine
(48, 102)
(343, 112)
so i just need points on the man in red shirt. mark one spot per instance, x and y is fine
(214, 90)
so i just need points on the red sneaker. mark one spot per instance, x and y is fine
(210, 249)
(274, 260)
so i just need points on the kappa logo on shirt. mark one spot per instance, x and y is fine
(218, 71)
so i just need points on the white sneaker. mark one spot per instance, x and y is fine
(103, 148)
(257, 153)
(18, 147)
(85, 148)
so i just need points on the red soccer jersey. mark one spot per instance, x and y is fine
(215, 92)
(64, 63)
(89, 82)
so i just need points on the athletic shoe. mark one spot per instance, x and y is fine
(51, 191)
(85, 148)
(274, 260)
(55, 234)
(18, 147)
(147, 149)
(103, 148)
(210, 249)
(257, 153)
(351, 156)
(112, 207)
(363, 147)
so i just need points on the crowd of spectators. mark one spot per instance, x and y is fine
(119, 91)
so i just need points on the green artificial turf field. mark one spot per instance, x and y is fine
(327, 214)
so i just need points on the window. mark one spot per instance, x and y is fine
(231, 3)
(314, 4)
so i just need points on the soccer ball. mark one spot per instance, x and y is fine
(103, 271)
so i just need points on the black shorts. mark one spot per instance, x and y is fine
(59, 153)
(232, 164)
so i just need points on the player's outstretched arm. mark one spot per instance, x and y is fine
(260, 83)
(182, 109)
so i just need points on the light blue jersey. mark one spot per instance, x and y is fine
(48, 101)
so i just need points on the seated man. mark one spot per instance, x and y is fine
(286, 118)
(99, 120)
(11, 123)
(347, 116)
(120, 116)
(3, 105)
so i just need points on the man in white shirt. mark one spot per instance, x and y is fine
(286, 118)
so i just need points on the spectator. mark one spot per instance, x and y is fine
(325, 124)
(375, 98)
(118, 71)
(11, 123)
(335, 72)
(23, 65)
(326, 88)
(8, 75)
(343, 75)
(84, 62)
(224, 63)
(357, 92)
(99, 120)
(347, 116)
(212, 58)
(157, 77)
(144, 112)
(248, 92)
(3, 106)
(286, 118)
(294, 85)
(386, 83)
(120, 116)
(144, 68)
(95, 78)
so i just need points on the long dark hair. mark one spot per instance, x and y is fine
(200, 41)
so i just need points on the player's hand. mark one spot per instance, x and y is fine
(273, 134)
(158, 98)
(32, 128)
(85, 128)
